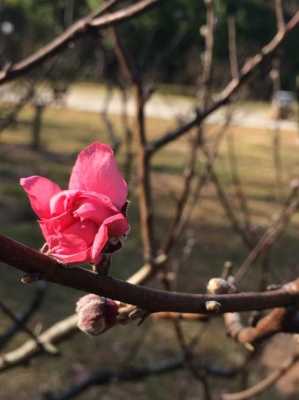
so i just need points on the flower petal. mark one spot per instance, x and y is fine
(74, 258)
(99, 243)
(117, 225)
(113, 227)
(96, 170)
(73, 245)
(40, 190)
(94, 206)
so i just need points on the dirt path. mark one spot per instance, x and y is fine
(94, 99)
(172, 107)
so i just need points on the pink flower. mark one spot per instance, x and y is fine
(96, 314)
(79, 222)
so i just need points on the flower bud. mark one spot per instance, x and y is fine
(217, 285)
(221, 286)
(96, 314)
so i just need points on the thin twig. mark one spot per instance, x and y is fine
(197, 139)
(279, 15)
(21, 320)
(106, 376)
(271, 235)
(264, 384)
(231, 89)
(132, 73)
(84, 26)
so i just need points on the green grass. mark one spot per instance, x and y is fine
(64, 133)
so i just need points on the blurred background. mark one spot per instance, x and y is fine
(82, 94)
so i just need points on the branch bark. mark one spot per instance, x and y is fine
(153, 300)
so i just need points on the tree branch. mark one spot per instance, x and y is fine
(153, 300)
(264, 384)
(234, 85)
(21, 320)
(105, 376)
(86, 25)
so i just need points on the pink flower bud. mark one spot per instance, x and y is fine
(96, 314)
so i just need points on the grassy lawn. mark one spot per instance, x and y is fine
(64, 133)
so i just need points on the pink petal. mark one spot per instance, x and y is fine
(94, 206)
(96, 170)
(62, 201)
(74, 258)
(52, 228)
(99, 243)
(74, 243)
(78, 236)
(39, 190)
(115, 226)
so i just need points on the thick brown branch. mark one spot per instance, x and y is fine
(62, 330)
(152, 300)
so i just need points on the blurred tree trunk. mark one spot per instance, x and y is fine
(37, 126)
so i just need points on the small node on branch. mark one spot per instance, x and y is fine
(31, 278)
(249, 346)
(140, 314)
(273, 286)
(213, 306)
(160, 259)
(220, 286)
(217, 286)
(203, 30)
(227, 269)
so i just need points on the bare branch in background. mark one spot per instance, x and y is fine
(279, 15)
(233, 157)
(115, 141)
(276, 321)
(92, 23)
(264, 384)
(107, 376)
(231, 89)
(22, 327)
(272, 233)
(12, 115)
(21, 320)
(232, 46)
(204, 177)
(276, 140)
(47, 339)
(197, 139)
(131, 71)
